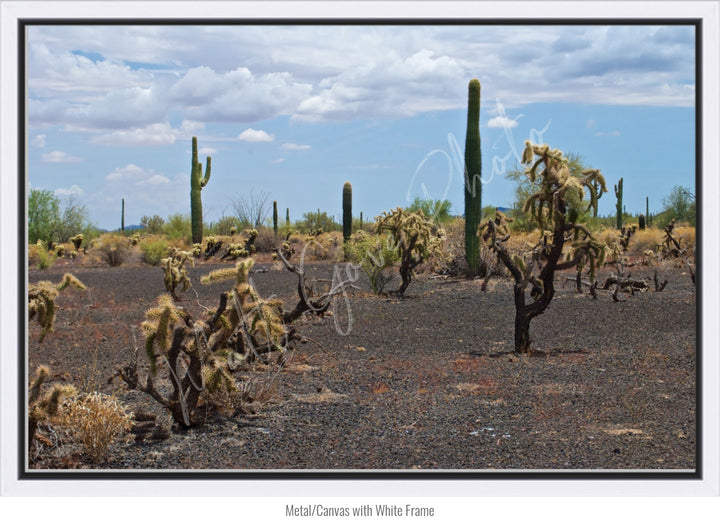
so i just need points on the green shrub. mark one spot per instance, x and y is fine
(153, 248)
(178, 226)
(39, 255)
(375, 254)
(225, 226)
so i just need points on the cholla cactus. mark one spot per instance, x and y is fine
(416, 239)
(175, 272)
(41, 300)
(243, 249)
(549, 207)
(261, 320)
(236, 250)
(77, 240)
(158, 328)
(200, 356)
(44, 405)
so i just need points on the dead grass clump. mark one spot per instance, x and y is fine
(324, 247)
(40, 256)
(644, 240)
(521, 242)
(112, 248)
(95, 420)
(608, 237)
(686, 237)
(266, 240)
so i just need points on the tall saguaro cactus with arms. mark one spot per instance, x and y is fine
(619, 204)
(197, 183)
(473, 184)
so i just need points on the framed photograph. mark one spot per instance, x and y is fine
(360, 248)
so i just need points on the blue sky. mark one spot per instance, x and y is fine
(295, 111)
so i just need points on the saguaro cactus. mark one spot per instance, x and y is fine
(122, 216)
(641, 221)
(647, 211)
(619, 204)
(197, 183)
(473, 184)
(347, 211)
(275, 217)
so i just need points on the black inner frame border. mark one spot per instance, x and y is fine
(23, 473)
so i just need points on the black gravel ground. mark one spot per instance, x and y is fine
(428, 382)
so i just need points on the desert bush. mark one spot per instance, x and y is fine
(225, 226)
(686, 237)
(112, 248)
(266, 240)
(178, 226)
(326, 246)
(95, 420)
(320, 220)
(153, 225)
(608, 236)
(153, 248)
(375, 254)
(644, 240)
(40, 256)
(438, 211)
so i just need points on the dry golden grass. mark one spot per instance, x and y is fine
(112, 248)
(685, 236)
(645, 240)
(95, 420)
(608, 237)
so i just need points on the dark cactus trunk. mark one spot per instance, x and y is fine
(197, 183)
(347, 211)
(619, 204)
(275, 217)
(122, 216)
(473, 185)
(522, 333)
(641, 221)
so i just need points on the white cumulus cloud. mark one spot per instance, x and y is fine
(73, 190)
(255, 135)
(59, 157)
(292, 146)
(502, 122)
(132, 174)
(39, 141)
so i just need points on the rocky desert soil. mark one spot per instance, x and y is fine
(428, 382)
